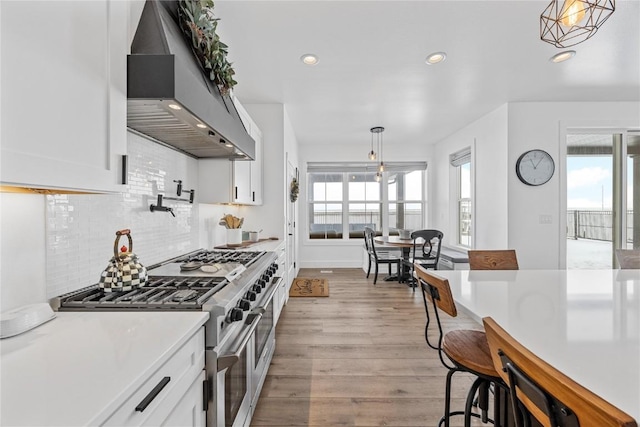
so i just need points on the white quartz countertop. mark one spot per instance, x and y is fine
(80, 367)
(586, 323)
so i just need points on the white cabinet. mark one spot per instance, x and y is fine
(282, 294)
(189, 411)
(247, 175)
(172, 395)
(237, 181)
(63, 79)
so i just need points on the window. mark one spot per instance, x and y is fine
(462, 162)
(325, 210)
(405, 200)
(344, 198)
(365, 205)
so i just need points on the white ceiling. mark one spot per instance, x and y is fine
(372, 70)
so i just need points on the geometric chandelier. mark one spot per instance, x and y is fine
(566, 23)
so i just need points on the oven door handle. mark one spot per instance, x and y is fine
(228, 360)
(273, 289)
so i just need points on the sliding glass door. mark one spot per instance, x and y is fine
(603, 179)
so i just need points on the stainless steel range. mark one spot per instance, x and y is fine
(236, 288)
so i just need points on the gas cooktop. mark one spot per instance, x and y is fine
(182, 283)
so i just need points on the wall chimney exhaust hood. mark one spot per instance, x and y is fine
(171, 99)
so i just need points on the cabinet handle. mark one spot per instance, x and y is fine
(236, 193)
(152, 394)
(124, 178)
(254, 196)
(205, 395)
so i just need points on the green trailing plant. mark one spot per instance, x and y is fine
(295, 188)
(199, 24)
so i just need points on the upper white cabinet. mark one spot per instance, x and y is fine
(63, 82)
(237, 181)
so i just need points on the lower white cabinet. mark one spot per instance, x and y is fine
(189, 411)
(282, 294)
(172, 395)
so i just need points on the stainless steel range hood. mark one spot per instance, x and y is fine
(171, 99)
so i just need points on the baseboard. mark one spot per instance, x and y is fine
(331, 264)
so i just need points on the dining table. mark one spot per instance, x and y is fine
(585, 323)
(405, 245)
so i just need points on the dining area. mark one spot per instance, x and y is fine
(580, 329)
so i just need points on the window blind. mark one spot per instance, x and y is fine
(460, 157)
(340, 167)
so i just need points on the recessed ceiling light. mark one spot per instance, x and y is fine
(436, 58)
(228, 145)
(201, 126)
(309, 59)
(175, 107)
(562, 56)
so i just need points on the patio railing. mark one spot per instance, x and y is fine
(594, 225)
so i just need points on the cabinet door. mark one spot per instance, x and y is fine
(256, 167)
(242, 181)
(63, 80)
(189, 411)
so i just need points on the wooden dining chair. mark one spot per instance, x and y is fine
(375, 258)
(462, 350)
(628, 258)
(425, 251)
(541, 392)
(504, 259)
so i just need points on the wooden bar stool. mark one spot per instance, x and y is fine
(628, 258)
(542, 393)
(465, 351)
(504, 259)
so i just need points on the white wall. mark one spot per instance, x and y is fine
(343, 254)
(487, 138)
(543, 125)
(507, 212)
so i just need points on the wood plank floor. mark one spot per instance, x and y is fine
(357, 358)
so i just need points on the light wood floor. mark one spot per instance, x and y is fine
(357, 358)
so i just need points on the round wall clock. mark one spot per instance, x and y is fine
(535, 167)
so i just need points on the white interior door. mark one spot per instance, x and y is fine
(291, 225)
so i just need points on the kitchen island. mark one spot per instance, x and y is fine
(81, 368)
(586, 323)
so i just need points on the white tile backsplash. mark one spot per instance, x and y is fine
(80, 229)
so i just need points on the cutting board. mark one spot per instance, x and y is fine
(244, 244)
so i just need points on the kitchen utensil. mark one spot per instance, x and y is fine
(254, 236)
(234, 236)
(124, 271)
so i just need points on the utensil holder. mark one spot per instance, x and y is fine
(234, 236)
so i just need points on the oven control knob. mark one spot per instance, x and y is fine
(251, 296)
(256, 288)
(244, 305)
(275, 267)
(235, 315)
(262, 282)
(266, 276)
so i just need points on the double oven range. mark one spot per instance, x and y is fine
(237, 289)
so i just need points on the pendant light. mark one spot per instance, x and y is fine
(377, 131)
(372, 154)
(566, 23)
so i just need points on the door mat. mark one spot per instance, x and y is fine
(303, 287)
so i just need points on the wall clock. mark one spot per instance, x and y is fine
(535, 167)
